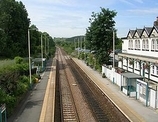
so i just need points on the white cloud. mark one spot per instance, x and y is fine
(139, 1)
(144, 11)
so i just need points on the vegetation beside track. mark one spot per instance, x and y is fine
(14, 82)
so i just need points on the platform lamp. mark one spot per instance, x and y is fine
(113, 65)
(30, 56)
(42, 51)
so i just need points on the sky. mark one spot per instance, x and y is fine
(68, 18)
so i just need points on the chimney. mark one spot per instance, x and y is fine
(156, 22)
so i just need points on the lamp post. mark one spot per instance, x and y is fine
(113, 55)
(45, 46)
(29, 57)
(78, 47)
(42, 51)
(113, 64)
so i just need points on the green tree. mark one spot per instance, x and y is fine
(15, 22)
(100, 34)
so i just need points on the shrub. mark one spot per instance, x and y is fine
(103, 75)
(18, 60)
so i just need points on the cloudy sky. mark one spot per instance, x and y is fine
(68, 18)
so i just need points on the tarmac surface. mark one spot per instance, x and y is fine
(30, 110)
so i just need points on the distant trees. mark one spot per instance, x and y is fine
(100, 34)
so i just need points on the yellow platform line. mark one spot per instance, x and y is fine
(46, 97)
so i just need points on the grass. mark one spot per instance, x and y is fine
(6, 62)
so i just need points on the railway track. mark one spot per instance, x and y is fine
(67, 105)
(103, 110)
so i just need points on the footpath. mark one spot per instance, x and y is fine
(143, 113)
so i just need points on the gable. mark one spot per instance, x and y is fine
(154, 32)
(136, 35)
(144, 34)
(130, 34)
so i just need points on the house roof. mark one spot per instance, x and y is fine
(139, 31)
(131, 75)
(148, 30)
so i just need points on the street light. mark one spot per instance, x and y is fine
(113, 55)
(113, 65)
(29, 57)
(42, 50)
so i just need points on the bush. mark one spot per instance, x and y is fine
(18, 60)
(103, 75)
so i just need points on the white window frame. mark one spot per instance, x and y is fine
(156, 43)
(138, 44)
(143, 44)
(153, 44)
(147, 44)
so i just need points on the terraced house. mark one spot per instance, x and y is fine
(137, 71)
(140, 56)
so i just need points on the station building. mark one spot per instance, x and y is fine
(137, 70)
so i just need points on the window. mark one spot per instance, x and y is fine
(138, 44)
(147, 44)
(130, 44)
(153, 44)
(156, 44)
(143, 45)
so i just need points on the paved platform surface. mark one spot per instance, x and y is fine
(134, 109)
(30, 108)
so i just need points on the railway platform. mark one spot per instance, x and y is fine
(34, 106)
(132, 108)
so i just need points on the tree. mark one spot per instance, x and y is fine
(100, 34)
(15, 22)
